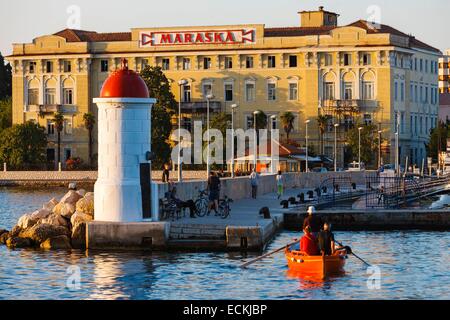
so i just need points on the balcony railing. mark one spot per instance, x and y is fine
(352, 106)
(52, 108)
(200, 106)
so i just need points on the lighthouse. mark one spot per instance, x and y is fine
(124, 146)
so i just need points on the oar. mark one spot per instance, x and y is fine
(350, 251)
(245, 265)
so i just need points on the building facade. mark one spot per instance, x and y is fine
(444, 73)
(358, 73)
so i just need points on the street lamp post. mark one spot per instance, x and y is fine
(359, 147)
(272, 162)
(306, 138)
(181, 84)
(208, 99)
(233, 108)
(255, 113)
(397, 136)
(336, 125)
(379, 146)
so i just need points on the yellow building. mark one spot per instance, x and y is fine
(358, 71)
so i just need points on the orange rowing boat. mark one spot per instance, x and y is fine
(322, 267)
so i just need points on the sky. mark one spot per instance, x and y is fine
(23, 20)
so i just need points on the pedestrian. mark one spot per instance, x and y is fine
(214, 192)
(280, 184)
(166, 173)
(254, 180)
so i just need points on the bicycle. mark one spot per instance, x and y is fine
(224, 207)
(201, 204)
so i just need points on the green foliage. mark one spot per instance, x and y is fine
(441, 132)
(5, 79)
(261, 120)
(23, 145)
(221, 121)
(5, 113)
(369, 143)
(159, 88)
(322, 123)
(89, 123)
(287, 122)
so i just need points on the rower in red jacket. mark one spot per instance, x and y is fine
(308, 243)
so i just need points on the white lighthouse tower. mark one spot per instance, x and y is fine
(124, 124)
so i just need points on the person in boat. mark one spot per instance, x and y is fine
(308, 243)
(313, 221)
(326, 241)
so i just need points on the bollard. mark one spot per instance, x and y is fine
(4, 166)
(59, 167)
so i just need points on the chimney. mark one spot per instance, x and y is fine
(319, 18)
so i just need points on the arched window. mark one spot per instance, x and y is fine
(33, 92)
(348, 84)
(329, 88)
(368, 86)
(50, 92)
(68, 92)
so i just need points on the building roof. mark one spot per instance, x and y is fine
(72, 35)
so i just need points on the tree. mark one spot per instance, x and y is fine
(369, 142)
(287, 122)
(58, 121)
(322, 122)
(89, 123)
(162, 112)
(23, 145)
(439, 133)
(5, 113)
(5, 79)
(221, 121)
(261, 120)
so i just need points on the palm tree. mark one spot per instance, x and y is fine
(89, 123)
(287, 122)
(58, 121)
(322, 122)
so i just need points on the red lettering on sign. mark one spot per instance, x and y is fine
(178, 38)
(208, 37)
(188, 37)
(230, 37)
(199, 38)
(218, 37)
(166, 38)
(248, 33)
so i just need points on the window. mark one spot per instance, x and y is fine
(348, 90)
(426, 95)
(49, 66)
(329, 90)
(250, 91)
(402, 92)
(402, 122)
(67, 153)
(104, 66)
(421, 65)
(68, 96)
(68, 126)
(50, 127)
(33, 96)
(367, 59)
(249, 122)
(347, 59)
(271, 62)
(206, 63)
(228, 63)
(328, 59)
(426, 66)
(165, 64)
(50, 94)
(228, 92)
(271, 92)
(207, 89)
(292, 61)
(249, 62)
(273, 122)
(411, 93)
(368, 90)
(415, 64)
(416, 93)
(144, 63)
(187, 93)
(186, 64)
(367, 119)
(67, 66)
(293, 91)
(33, 67)
(396, 91)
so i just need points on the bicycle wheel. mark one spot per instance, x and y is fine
(201, 207)
(224, 210)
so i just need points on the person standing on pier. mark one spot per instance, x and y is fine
(313, 221)
(166, 173)
(280, 184)
(254, 181)
(214, 192)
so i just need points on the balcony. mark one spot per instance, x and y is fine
(52, 108)
(200, 107)
(349, 106)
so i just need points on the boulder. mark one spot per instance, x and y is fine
(41, 213)
(81, 192)
(4, 237)
(41, 232)
(79, 236)
(18, 242)
(86, 206)
(71, 197)
(50, 205)
(15, 231)
(79, 217)
(2, 231)
(67, 210)
(55, 220)
(57, 243)
(57, 209)
(27, 221)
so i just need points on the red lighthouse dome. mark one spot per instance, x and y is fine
(124, 83)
